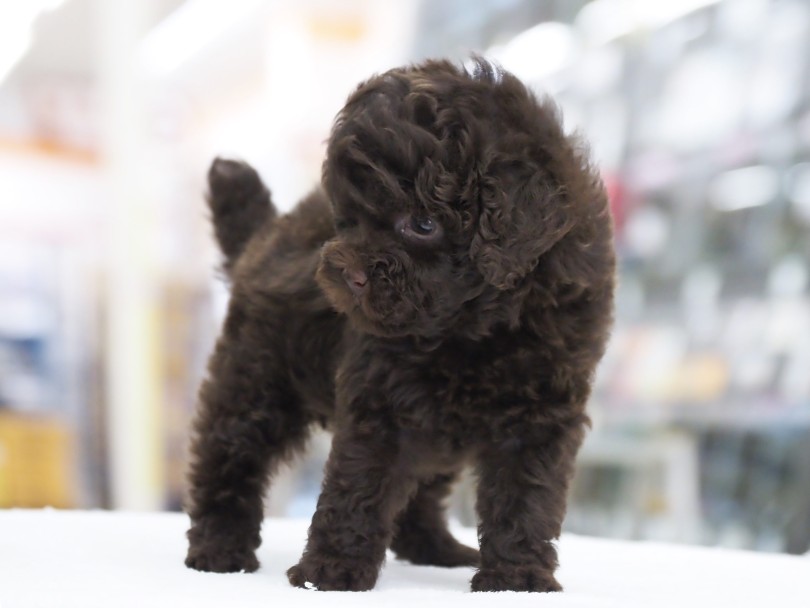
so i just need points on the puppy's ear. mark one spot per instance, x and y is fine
(522, 214)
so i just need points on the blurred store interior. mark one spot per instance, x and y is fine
(699, 115)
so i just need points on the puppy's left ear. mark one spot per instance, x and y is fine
(522, 214)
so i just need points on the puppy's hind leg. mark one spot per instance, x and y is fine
(422, 536)
(246, 424)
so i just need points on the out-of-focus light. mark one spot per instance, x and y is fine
(647, 231)
(799, 189)
(700, 104)
(16, 20)
(599, 70)
(789, 277)
(604, 20)
(744, 188)
(538, 52)
(189, 30)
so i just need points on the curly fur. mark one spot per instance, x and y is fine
(472, 341)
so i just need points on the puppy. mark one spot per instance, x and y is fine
(443, 300)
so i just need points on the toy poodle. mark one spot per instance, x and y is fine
(441, 301)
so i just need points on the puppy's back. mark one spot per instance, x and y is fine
(283, 255)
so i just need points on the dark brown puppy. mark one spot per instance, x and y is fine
(443, 301)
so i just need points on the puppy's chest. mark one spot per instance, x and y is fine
(466, 397)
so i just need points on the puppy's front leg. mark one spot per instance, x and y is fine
(365, 487)
(521, 504)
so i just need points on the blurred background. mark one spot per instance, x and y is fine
(699, 115)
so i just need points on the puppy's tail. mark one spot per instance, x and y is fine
(240, 205)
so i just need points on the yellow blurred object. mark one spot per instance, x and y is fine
(338, 28)
(702, 378)
(37, 455)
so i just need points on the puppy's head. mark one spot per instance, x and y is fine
(447, 187)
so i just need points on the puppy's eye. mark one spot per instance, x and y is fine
(423, 226)
(419, 227)
(344, 223)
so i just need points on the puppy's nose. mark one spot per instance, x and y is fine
(356, 280)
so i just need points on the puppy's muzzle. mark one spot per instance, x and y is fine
(357, 280)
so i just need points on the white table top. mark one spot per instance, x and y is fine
(83, 559)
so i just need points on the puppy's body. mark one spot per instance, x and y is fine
(455, 316)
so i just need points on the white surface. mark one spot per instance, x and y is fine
(99, 559)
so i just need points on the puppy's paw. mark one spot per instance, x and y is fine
(333, 574)
(520, 578)
(445, 553)
(212, 559)
(221, 546)
(449, 556)
(462, 555)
